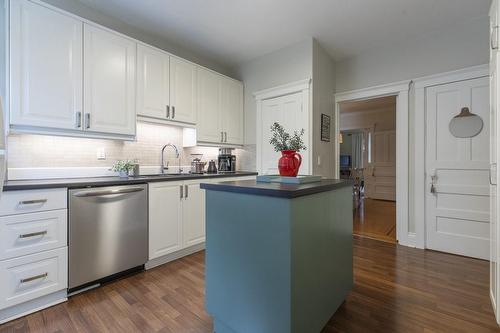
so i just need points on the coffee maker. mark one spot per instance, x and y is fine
(226, 160)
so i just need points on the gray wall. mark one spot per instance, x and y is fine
(292, 63)
(80, 9)
(460, 46)
(323, 88)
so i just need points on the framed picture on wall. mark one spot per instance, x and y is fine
(325, 127)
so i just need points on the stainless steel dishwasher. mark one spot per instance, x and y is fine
(108, 233)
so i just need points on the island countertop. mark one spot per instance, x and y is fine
(276, 189)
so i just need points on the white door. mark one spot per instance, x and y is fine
(165, 218)
(193, 211)
(153, 85)
(182, 90)
(289, 112)
(109, 87)
(46, 67)
(380, 176)
(232, 111)
(457, 206)
(209, 121)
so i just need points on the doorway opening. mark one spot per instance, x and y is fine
(367, 145)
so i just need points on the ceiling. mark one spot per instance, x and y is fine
(234, 31)
(381, 103)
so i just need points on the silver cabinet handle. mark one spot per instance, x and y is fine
(168, 111)
(87, 120)
(225, 136)
(108, 192)
(186, 190)
(181, 189)
(173, 112)
(33, 234)
(78, 121)
(36, 277)
(33, 202)
(221, 136)
(494, 31)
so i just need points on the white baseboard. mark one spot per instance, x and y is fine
(174, 256)
(35, 305)
(409, 241)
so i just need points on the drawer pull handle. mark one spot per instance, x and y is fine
(33, 202)
(33, 234)
(36, 277)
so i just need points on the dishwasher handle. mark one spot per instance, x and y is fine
(108, 192)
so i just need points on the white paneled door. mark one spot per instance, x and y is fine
(380, 176)
(457, 171)
(289, 112)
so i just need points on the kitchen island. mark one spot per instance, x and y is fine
(278, 256)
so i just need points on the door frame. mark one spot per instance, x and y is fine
(421, 84)
(302, 86)
(401, 91)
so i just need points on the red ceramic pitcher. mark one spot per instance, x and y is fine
(289, 163)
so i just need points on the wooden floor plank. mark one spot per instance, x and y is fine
(396, 289)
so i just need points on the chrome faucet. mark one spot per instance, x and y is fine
(177, 155)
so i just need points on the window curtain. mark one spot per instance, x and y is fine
(357, 150)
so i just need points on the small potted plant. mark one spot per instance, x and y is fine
(123, 167)
(289, 146)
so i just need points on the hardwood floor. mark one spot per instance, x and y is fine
(396, 289)
(375, 219)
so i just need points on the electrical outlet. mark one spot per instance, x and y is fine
(101, 153)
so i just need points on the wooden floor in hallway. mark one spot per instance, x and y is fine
(396, 289)
(375, 219)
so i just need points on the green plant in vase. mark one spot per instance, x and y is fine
(289, 145)
(123, 167)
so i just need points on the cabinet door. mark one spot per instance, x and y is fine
(153, 89)
(165, 218)
(46, 67)
(209, 127)
(193, 213)
(232, 111)
(182, 91)
(109, 87)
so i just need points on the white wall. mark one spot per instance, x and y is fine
(460, 46)
(323, 88)
(381, 120)
(292, 63)
(3, 46)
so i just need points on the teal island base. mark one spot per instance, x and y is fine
(278, 257)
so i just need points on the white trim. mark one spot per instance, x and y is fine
(453, 76)
(285, 89)
(420, 128)
(400, 90)
(303, 86)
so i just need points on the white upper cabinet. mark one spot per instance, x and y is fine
(220, 109)
(182, 90)
(209, 127)
(232, 111)
(46, 67)
(109, 88)
(153, 82)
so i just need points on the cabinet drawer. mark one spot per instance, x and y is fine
(26, 278)
(31, 233)
(18, 202)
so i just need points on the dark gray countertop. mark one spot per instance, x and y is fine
(276, 189)
(13, 185)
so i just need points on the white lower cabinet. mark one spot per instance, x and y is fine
(177, 217)
(33, 251)
(165, 218)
